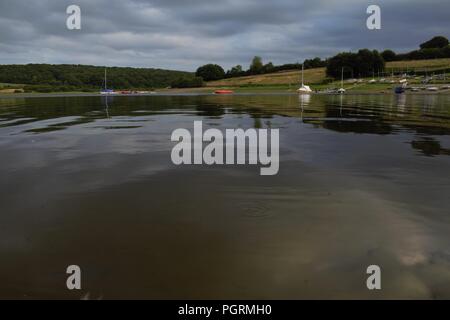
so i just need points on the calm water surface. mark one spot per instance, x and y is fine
(363, 180)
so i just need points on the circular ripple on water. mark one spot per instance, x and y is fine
(255, 210)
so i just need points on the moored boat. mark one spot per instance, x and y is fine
(105, 90)
(304, 89)
(341, 90)
(223, 91)
(399, 90)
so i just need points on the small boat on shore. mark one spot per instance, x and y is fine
(401, 89)
(223, 91)
(105, 90)
(145, 92)
(128, 92)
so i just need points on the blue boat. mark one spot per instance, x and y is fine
(402, 88)
(399, 90)
(105, 90)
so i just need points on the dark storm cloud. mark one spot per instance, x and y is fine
(182, 34)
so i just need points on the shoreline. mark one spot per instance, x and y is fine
(202, 91)
(28, 96)
(199, 93)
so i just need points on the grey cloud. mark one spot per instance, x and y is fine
(182, 34)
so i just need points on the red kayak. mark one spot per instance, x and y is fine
(223, 91)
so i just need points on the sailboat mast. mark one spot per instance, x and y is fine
(105, 80)
(303, 69)
(342, 78)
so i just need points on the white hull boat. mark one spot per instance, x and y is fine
(304, 89)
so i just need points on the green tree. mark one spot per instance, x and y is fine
(389, 55)
(427, 53)
(363, 63)
(267, 68)
(446, 51)
(436, 42)
(210, 72)
(256, 67)
(314, 63)
(235, 71)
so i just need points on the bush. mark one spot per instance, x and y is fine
(186, 82)
(39, 88)
(327, 81)
(389, 55)
(210, 72)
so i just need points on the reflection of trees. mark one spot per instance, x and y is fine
(373, 114)
(86, 109)
(38, 109)
(210, 110)
(358, 127)
(429, 147)
(429, 130)
(257, 123)
(354, 120)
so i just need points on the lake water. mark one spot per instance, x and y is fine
(364, 180)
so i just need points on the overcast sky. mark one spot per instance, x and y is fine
(183, 34)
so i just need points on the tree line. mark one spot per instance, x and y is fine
(436, 48)
(46, 77)
(211, 72)
(363, 63)
(366, 63)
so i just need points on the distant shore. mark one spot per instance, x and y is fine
(210, 88)
(209, 91)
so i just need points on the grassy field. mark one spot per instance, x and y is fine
(316, 77)
(279, 78)
(8, 88)
(420, 65)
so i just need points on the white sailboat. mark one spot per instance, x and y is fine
(105, 90)
(304, 89)
(373, 78)
(342, 90)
